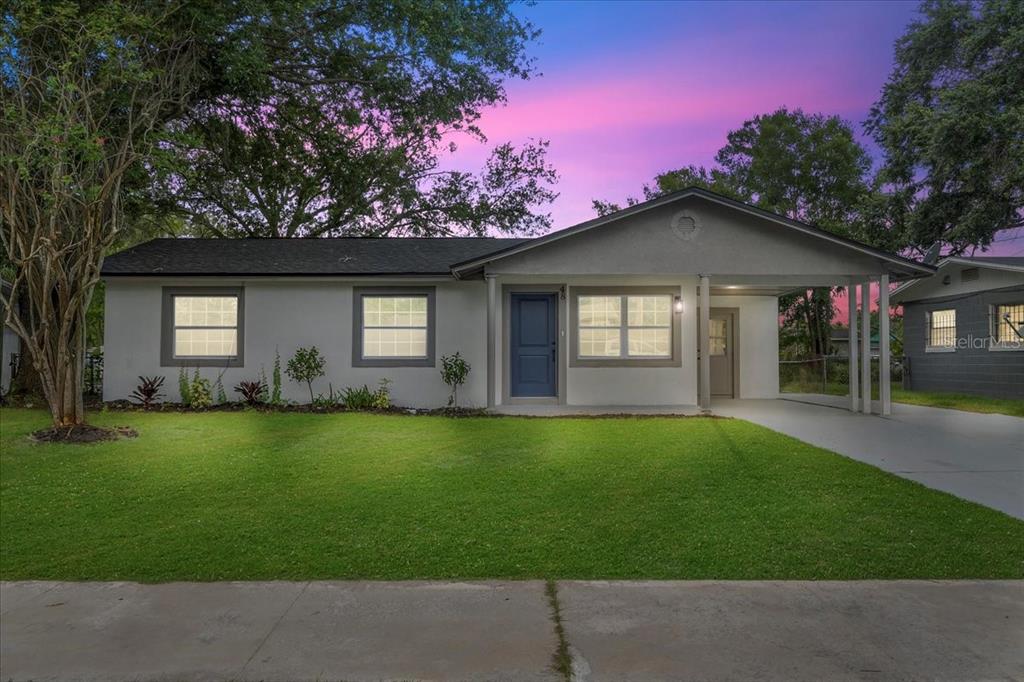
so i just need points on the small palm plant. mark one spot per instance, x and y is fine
(252, 392)
(148, 390)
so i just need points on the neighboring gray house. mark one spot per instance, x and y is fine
(840, 342)
(668, 302)
(961, 325)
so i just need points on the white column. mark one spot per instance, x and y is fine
(851, 295)
(884, 385)
(865, 346)
(492, 335)
(704, 343)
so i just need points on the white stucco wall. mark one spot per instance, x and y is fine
(287, 314)
(758, 364)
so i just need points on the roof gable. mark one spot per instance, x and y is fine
(897, 265)
(949, 279)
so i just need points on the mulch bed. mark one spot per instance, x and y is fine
(83, 433)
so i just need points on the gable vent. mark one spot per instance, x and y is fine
(969, 274)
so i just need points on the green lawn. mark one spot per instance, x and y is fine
(952, 401)
(222, 496)
(958, 401)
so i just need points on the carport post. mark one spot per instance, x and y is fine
(492, 304)
(865, 346)
(884, 387)
(704, 344)
(854, 380)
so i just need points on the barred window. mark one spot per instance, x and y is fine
(942, 328)
(1009, 320)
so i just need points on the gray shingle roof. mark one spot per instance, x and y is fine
(344, 256)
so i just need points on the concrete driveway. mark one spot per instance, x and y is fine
(979, 457)
(704, 630)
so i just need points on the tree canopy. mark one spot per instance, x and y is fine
(84, 99)
(314, 117)
(950, 121)
(808, 167)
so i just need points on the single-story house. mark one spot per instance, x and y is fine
(669, 302)
(962, 327)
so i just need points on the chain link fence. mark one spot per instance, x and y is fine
(93, 384)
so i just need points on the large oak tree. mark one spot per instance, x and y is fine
(950, 121)
(326, 118)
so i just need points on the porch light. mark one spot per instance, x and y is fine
(678, 304)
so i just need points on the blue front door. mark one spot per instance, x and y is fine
(533, 365)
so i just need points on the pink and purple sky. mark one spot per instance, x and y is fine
(630, 89)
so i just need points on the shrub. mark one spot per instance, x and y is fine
(454, 370)
(199, 392)
(305, 366)
(148, 390)
(252, 392)
(362, 398)
(328, 401)
(275, 391)
(358, 398)
(382, 396)
(183, 387)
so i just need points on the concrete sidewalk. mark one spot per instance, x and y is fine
(878, 630)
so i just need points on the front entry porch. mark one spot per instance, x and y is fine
(719, 341)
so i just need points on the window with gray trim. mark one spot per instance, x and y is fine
(393, 327)
(627, 327)
(202, 326)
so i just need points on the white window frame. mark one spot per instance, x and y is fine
(624, 359)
